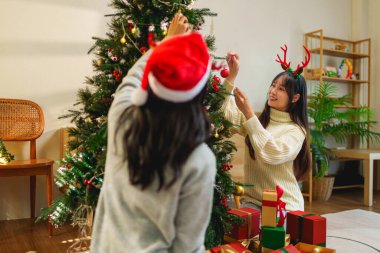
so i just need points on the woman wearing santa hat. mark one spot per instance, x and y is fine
(159, 174)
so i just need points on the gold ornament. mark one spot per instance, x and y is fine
(99, 62)
(316, 250)
(239, 190)
(216, 135)
(123, 40)
(134, 30)
(98, 52)
(164, 32)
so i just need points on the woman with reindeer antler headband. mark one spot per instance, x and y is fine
(277, 142)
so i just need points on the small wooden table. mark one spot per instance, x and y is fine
(368, 156)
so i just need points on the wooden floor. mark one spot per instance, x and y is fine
(21, 236)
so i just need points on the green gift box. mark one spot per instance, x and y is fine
(273, 237)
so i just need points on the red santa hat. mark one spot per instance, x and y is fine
(176, 71)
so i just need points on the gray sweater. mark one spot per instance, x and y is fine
(128, 219)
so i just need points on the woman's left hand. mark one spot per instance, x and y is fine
(243, 104)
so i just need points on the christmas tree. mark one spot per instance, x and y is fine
(135, 26)
(5, 157)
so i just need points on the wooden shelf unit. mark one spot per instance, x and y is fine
(324, 50)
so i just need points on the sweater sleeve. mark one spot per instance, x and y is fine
(274, 150)
(130, 82)
(194, 207)
(231, 112)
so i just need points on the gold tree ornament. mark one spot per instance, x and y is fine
(239, 190)
(99, 62)
(123, 40)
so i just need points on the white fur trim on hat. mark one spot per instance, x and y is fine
(178, 96)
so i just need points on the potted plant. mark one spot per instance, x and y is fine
(332, 116)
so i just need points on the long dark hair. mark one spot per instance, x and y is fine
(298, 114)
(159, 135)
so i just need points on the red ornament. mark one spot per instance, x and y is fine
(224, 202)
(68, 166)
(143, 49)
(215, 67)
(85, 182)
(225, 73)
(117, 75)
(151, 40)
(216, 79)
(216, 87)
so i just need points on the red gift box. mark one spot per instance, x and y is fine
(306, 227)
(251, 225)
(288, 249)
(231, 247)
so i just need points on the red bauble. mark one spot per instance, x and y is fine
(143, 49)
(225, 73)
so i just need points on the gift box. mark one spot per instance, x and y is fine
(234, 247)
(272, 237)
(306, 227)
(308, 248)
(287, 249)
(269, 209)
(271, 204)
(250, 226)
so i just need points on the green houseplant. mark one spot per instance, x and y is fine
(332, 116)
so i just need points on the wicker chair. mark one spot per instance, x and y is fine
(23, 120)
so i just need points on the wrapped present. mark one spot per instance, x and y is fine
(234, 247)
(287, 249)
(271, 205)
(308, 248)
(250, 226)
(273, 237)
(306, 227)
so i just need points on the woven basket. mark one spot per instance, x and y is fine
(322, 188)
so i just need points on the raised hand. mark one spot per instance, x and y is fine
(243, 103)
(233, 64)
(179, 25)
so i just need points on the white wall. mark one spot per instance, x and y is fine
(43, 57)
(374, 34)
(43, 46)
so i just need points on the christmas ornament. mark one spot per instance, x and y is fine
(98, 52)
(214, 66)
(99, 62)
(239, 190)
(114, 58)
(143, 49)
(123, 40)
(151, 41)
(117, 75)
(134, 30)
(224, 73)
(316, 250)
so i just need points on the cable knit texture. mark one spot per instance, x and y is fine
(275, 147)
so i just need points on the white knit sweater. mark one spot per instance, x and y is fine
(275, 147)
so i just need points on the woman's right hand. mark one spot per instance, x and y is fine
(233, 65)
(179, 25)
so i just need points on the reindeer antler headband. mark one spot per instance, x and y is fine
(286, 65)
